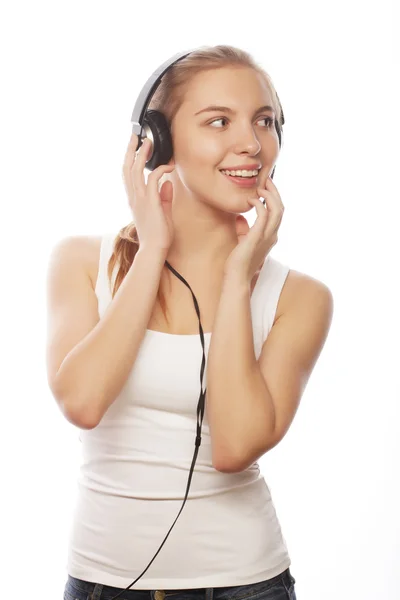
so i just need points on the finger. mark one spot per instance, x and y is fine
(129, 161)
(271, 188)
(269, 181)
(262, 216)
(154, 178)
(258, 204)
(275, 199)
(275, 212)
(166, 192)
(139, 164)
(130, 152)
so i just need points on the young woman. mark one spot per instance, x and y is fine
(124, 352)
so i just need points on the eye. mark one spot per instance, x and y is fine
(220, 119)
(269, 120)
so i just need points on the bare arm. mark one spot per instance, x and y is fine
(251, 403)
(89, 360)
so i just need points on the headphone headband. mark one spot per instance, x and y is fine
(148, 90)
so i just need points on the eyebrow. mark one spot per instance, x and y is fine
(215, 108)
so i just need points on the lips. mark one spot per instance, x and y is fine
(243, 167)
(245, 182)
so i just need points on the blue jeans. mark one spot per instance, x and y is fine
(280, 587)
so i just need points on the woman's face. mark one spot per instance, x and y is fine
(206, 141)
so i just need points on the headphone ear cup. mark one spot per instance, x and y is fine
(162, 141)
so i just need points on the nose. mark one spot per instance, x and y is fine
(246, 141)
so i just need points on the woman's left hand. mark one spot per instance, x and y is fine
(255, 243)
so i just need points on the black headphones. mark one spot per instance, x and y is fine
(153, 124)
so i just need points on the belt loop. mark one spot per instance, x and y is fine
(96, 594)
(209, 595)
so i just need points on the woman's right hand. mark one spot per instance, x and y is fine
(151, 209)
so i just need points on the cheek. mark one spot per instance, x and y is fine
(199, 151)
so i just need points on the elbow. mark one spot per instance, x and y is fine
(229, 467)
(226, 469)
(241, 461)
(77, 414)
(227, 464)
(80, 419)
(76, 410)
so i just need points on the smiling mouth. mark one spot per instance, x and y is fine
(245, 182)
(227, 171)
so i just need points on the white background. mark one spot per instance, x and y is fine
(71, 72)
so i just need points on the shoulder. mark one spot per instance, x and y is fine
(303, 292)
(84, 250)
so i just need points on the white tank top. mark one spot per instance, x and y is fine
(135, 467)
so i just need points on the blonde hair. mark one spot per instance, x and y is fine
(167, 99)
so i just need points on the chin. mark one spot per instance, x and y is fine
(234, 203)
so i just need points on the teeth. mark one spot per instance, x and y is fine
(242, 173)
